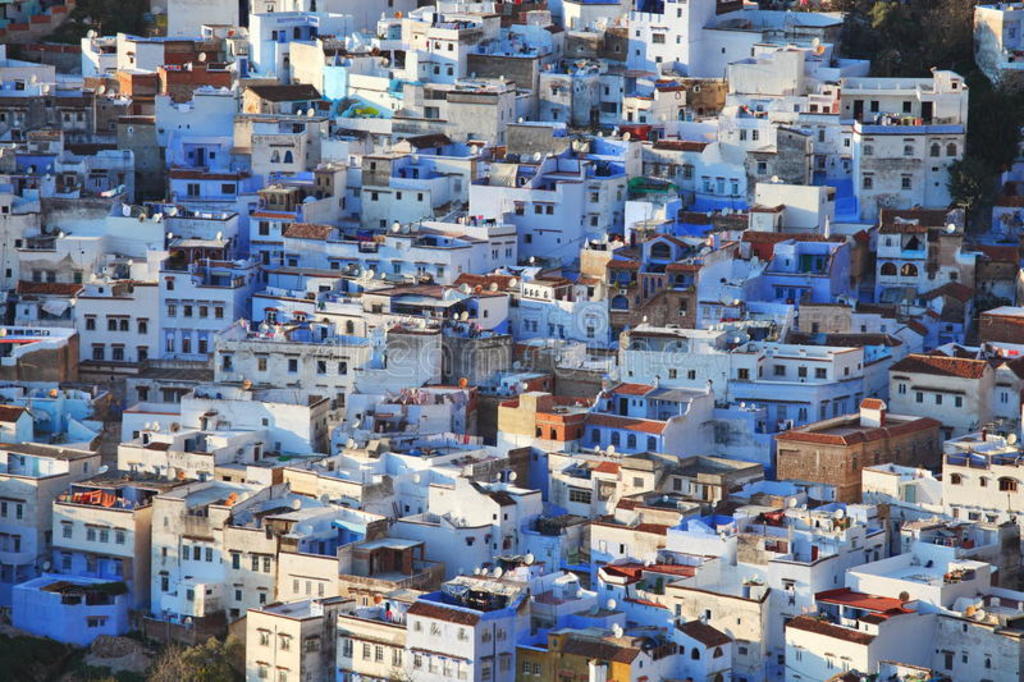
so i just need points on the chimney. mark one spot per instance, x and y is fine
(872, 412)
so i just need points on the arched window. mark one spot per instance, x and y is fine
(350, 327)
(955, 479)
(615, 438)
(695, 654)
(631, 441)
(983, 482)
(951, 149)
(652, 443)
(275, 156)
(909, 270)
(936, 149)
(661, 251)
(888, 269)
(288, 158)
(718, 652)
(620, 303)
(1007, 485)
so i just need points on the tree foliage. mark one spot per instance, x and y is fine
(106, 17)
(909, 38)
(212, 661)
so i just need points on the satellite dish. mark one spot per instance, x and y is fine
(951, 228)
(396, 227)
(202, 57)
(296, 504)
(464, 315)
(529, 559)
(1012, 439)
(512, 476)
(611, 450)
(493, 286)
(498, 572)
(537, 156)
(126, 210)
(513, 282)
(311, 113)
(46, 565)
(220, 235)
(775, 178)
(839, 514)
(91, 34)
(792, 502)
(101, 90)
(611, 604)
(617, 630)
(626, 136)
(370, 273)
(103, 469)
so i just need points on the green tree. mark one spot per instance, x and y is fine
(972, 184)
(212, 661)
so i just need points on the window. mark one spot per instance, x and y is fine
(579, 495)
(293, 365)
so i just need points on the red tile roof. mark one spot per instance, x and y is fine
(438, 612)
(855, 433)
(808, 624)
(954, 290)
(1010, 254)
(607, 468)
(599, 649)
(49, 288)
(628, 423)
(860, 600)
(941, 365)
(308, 231)
(681, 145)
(704, 633)
(912, 220)
(11, 413)
(872, 404)
(633, 389)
